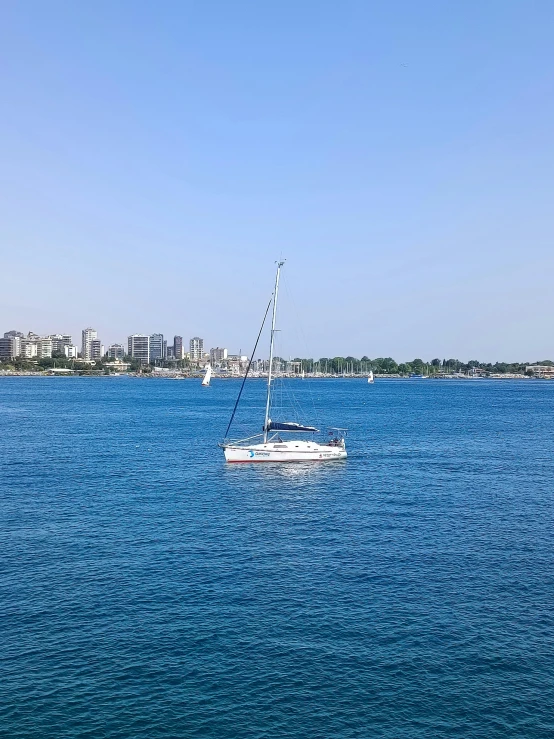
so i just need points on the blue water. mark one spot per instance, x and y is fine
(147, 590)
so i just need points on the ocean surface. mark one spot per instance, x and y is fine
(149, 590)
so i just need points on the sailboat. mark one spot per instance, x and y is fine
(207, 376)
(370, 376)
(272, 445)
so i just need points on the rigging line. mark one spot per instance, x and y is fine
(249, 365)
(299, 327)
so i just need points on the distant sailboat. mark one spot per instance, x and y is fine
(207, 376)
(370, 376)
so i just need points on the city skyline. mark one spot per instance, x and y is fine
(151, 347)
(146, 347)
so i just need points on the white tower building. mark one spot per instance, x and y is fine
(196, 346)
(89, 335)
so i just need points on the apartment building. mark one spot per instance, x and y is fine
(217, 355)
(196, 349)
(96, 349)
(178, 352)
(156, 347)
(138, 347)
(116, 351)
(89, 335)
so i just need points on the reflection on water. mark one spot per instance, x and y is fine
(286, 471)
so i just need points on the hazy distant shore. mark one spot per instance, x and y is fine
(197, 377)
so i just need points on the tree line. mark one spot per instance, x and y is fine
(60, 361)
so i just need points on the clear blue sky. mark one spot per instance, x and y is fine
(157, 157)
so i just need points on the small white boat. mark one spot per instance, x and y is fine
(270, 446)
(207, 376)
(370, 376)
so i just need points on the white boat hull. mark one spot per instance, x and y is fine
(286, 451)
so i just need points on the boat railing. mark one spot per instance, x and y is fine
(232, 442)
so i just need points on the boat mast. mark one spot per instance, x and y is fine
(268, 400)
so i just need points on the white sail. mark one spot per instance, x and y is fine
(370, 376)
(207, 376)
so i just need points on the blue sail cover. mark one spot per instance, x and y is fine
(274, 426)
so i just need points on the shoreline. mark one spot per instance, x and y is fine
(362, 378)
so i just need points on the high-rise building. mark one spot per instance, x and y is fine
(156, 347)
(116, 351)
(10, 347)
(44, 347)
(89, 335)
(196, 347)
(138, 347)
(178, 347)
(70, 351)
(6, 348)
(96, 349)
